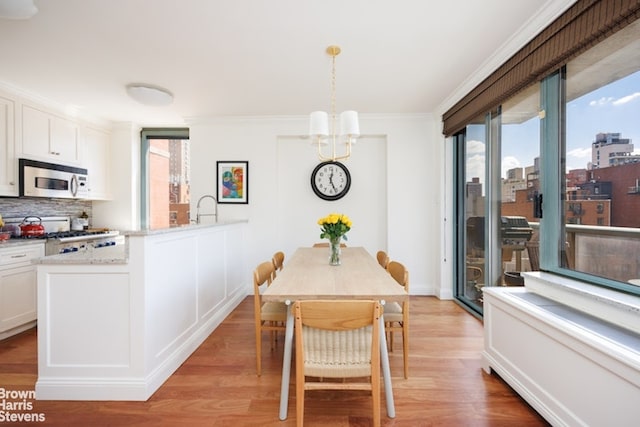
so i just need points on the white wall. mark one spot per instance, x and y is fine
(394, 201)
(123, 212)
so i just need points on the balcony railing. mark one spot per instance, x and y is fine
(610, 252)
(634, 190)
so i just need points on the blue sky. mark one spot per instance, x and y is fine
(611, 108)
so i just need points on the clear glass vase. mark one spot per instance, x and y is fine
(334, 251)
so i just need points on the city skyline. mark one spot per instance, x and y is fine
(614, 108)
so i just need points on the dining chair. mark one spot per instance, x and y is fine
(269, 316)
(337, 339)
(383, 259)
(396, 316)
(278, 262)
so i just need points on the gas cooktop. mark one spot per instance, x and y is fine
(58, 228)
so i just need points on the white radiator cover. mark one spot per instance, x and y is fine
(574, 369)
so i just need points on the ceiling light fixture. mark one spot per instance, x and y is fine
(149, 94)
(319, 121)
(17, 9)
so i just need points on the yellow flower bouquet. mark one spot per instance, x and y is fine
(334, 227)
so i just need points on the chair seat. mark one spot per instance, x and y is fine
(274, 311)
(337, 354)
(392, 312)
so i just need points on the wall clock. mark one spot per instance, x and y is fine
(330, 180)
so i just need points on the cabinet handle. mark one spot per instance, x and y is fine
(19, 256)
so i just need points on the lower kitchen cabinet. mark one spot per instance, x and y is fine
(116, 325)
(18, 283)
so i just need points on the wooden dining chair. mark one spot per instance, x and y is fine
(269, 316)
(383, 259)
(337, 339)
(396, 316)
(278, 262)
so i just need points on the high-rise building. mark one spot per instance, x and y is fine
(609, 149)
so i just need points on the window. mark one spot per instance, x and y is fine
(573, 133)
(602, 106)
(165, 178)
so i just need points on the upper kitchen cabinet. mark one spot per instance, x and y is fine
(48, 137)
(8, 169)
(97, 157)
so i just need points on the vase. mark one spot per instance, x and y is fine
(334, 251)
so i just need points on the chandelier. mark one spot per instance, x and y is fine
(319, 122)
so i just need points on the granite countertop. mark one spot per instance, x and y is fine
(179, 228)
(118, 254)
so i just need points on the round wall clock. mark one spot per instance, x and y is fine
(330, 180)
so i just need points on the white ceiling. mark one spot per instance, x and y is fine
(257, 57)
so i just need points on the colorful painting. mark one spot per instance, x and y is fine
(233, 181)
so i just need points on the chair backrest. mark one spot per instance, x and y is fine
(533, 250)
(473, 273)
(338, 338)
(262, 274)
(383, 259)
(278, 260)
(399, 273)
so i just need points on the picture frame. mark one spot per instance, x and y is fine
(232, 181)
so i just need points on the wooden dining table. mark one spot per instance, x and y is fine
(308, 276)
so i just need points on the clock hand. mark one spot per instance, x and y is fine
(331, 182)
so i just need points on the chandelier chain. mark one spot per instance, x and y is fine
(333, 102)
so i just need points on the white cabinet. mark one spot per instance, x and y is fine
(97, 145)
(18, 283)
(8, 169)
(49, 137)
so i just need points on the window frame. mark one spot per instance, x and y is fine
(147, 134)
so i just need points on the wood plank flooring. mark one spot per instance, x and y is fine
(217, 385)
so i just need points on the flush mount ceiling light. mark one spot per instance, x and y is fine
(17, 9)
(149, 94)
(319, 121)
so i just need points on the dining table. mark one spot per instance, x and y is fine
(309, 276)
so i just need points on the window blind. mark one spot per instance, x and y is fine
(582, 26)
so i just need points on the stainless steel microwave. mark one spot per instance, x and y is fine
(41, 179)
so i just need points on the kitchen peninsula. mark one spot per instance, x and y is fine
(114, 323)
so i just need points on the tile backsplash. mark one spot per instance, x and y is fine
(13, 207)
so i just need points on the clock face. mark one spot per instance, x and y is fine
(330, 180)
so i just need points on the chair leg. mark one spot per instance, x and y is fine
(375, 396)
(299, 397)
(405, 348)
(258, 348)
(273, 338)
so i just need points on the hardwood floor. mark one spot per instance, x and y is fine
(217, 385)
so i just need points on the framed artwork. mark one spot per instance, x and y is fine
(233, 181)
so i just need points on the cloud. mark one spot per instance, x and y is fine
(580, 153)
(609, 100)
(475, 147)
(626, 99)
(602, 101)
(509, 162)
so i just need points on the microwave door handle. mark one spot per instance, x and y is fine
(74, 185)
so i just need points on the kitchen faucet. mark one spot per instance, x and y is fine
(215, 208)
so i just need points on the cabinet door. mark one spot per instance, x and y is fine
(97, 157)
(17, 297)
(64, 140)
(35, 132)
(49, 137)
(8, 171)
